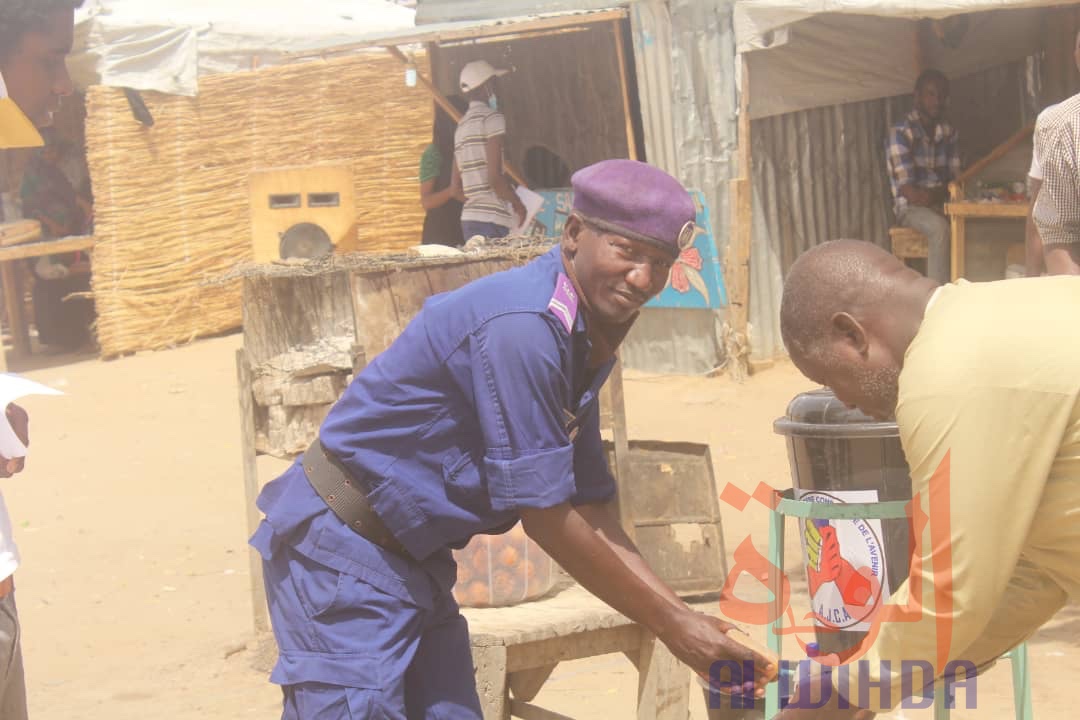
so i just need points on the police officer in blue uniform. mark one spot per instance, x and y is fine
(482, 413)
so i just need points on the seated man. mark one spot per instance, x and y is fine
(923, 157)
(49, 197)
(987, 400)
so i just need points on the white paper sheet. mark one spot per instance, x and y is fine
(533, 202)
(13, 387)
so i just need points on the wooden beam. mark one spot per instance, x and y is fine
(478, 31)
(1017, 210)
(995, 154)
(13, 302)
(445, 104)
(745, 155)
(741, 217)
(572, 646)
(621, 436)
(49, 247)
(19, 231)
(513, 37)
(620, 53)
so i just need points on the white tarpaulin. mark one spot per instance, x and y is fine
(819, 53)
(166, 45)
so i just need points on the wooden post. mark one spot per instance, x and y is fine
(958, 247)
(622, 450)
(13, 299)
(663, 682)
(251, 487)
(489, 663)
(737, 261)
(446, 105)
(620, 53)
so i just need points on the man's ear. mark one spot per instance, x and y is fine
(850, 332)
(571, 235)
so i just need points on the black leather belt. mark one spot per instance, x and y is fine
(347, 498)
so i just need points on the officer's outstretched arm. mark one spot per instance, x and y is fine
(588, 543)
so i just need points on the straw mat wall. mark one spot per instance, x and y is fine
(172, 200)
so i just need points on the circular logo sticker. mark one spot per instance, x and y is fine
(845, 564)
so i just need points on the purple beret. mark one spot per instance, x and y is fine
(637, 201)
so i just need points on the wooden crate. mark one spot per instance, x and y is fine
(675, 513)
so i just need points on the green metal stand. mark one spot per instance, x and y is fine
(888, 510)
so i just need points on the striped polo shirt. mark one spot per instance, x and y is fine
(477, 125)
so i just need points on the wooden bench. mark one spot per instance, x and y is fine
(515, 649)
(13, 291)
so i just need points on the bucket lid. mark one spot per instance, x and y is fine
(817, 413)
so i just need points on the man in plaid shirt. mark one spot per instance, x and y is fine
(1057, 207)
(923, 157)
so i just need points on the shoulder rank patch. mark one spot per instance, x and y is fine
(564, 302)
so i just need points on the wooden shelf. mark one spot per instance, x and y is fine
(987, 209)
(13, 285)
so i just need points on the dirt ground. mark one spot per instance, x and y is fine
(134, 590)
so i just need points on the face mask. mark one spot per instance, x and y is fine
(493, 102)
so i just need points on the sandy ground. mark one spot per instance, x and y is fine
(134, 590)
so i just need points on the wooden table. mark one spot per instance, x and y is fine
(515, 649)
(959, 212)
(13, 291)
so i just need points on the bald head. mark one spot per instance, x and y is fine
(849, 311)
(849, 276)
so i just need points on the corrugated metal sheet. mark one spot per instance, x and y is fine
(705, 102)
(674, 340)
(820, 175)
(684, 52)
(650, 23)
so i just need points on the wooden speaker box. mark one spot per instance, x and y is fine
(302, 212)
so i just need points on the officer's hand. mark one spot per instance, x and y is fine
(700, 640)
(20, 423)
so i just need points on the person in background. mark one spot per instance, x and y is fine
(35, 38)
(923, 157)
(440, 182)
(1056, 211)
(490, 202)
(49, 197)
(986, 399)
(1033, 244)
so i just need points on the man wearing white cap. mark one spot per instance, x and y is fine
(478, 152)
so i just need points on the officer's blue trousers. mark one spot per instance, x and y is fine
(351, 648)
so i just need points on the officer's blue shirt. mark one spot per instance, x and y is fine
(480, 408)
